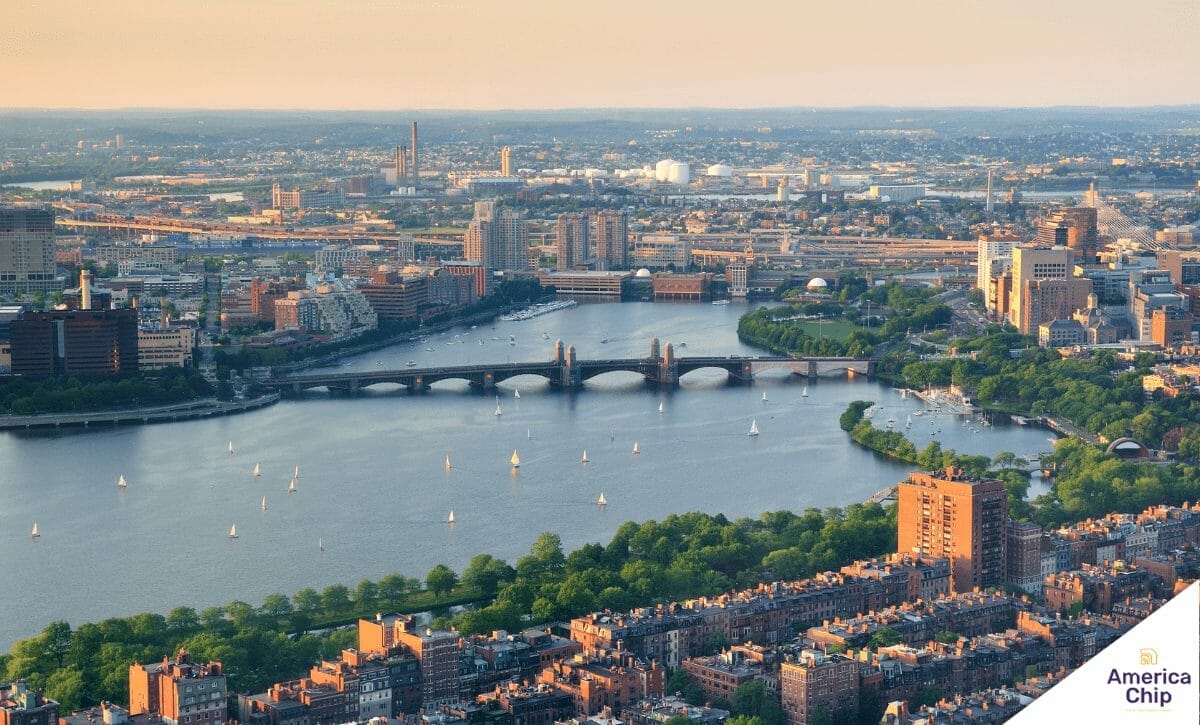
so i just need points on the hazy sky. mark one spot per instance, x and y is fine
(487, 54)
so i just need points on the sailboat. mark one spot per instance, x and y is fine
(448, 466)
(515, 460)
(661, 409)
(233, 531)
(804, 393)
(292, 486)
(584, 459)
(264, 503)
(498, 411)
(517, 394)
(753, 428)
(601, 501)
(34, 534)
(528, 434)
(635, 448)
(908, 423)
(321, 542)
(231, 448)
(296, 474)
(121, 481)
(450, 518)
(764, 396)
(904, 393)
(257, 471)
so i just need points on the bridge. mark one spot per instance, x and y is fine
(564, 370)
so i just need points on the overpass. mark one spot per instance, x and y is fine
(564, 370)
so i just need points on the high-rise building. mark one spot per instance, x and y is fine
(612, 239)
(993, 256)
(179, 691)
(1045, 300)
(512, 241)
(571, 240)
(69, 343)
(960, 517)
(1024, 555)
(437, 651)
(27, 250)
(506, 161)
(816, 684)
(1075, 228)
(416, 166)
(1033, 262)
(1171, 327)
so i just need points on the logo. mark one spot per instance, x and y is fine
(1147, 656)
(1157, 692)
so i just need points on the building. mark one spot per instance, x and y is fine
(571, 243)
(611, 234)
(737, 275)
(1073, 228)
(1151, 290)
(897, 194)
(179, 691)
(1032, 263)
(1061, 333)
(719, 676)
(477, 272)
(164, 255)
(1023, 555)
(497, 239)
(671, 286)
(1171, 327)
(396, 298)
(603, 284)
(960, 517)
(612, 681)
(27, 250)
(164, 348)
(905, 577)
(20, 705)
(661, 252)
(305, 198)
(816, 685)
(993, 256)
(339, 314)
(70, 343)
(437, 651)
(506, 161)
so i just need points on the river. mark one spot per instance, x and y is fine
(373, 485)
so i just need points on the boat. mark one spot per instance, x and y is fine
(753, 428)
(448, 466)
(528, 434)
(296, 474)
(257, 471)
(919, 412)
(908, 423)
(764, 396)
(429, 349)
(545, 336)
(321, 542)
(233, 532)
(498, 411)
(601, 501)
(517, 394)
(231, 448)
(292, 486)
(450, 518)
(804, 393)
(121, 481)
(635, 448)
(34, 534)
(584, 458)
(264, 503)
(515, 460)
(661, 409)
(720, 302)
(410, 364)
(481, 343)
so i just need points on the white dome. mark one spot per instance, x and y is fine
(643, 273)
(722, 170)
(817, 283)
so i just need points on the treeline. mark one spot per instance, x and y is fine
(680, 557)
(32, 396)
(897, 311)
(1101, 395)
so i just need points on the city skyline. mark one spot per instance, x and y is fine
(532, 54)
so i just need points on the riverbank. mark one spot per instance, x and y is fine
(204, 408)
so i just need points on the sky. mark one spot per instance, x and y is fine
(522, 54)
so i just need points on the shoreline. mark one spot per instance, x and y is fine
(202, 408)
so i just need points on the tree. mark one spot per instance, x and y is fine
(56, 641)
(365, 592)
(946, 637)
(486, 573)
(183, 619)
(306, 600)
(884, 637)
(276, 606)
(65, 685)
(335, 598)
(441, 579)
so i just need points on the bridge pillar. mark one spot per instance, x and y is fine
(416, 385)
(569, 375)
(870, 368)
(812, 370)
(353, 385)
(558, 352)
(668, 367)
(654, 349)
(489, 380)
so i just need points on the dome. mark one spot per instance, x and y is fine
(643, 273)
(722, 170)
(816, 283)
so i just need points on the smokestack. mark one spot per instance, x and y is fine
(416, 166)
(85, 289)
(989, 193)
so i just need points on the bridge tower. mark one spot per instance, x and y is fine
(569, 374)
(558, 352)
(654, 349)
(668, 367)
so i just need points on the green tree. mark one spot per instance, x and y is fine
(65, 685)
(335, 598)
(486, 573)
(276, 606)
(884, 637)
(441, 579)
(307, 600)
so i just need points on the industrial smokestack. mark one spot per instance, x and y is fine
(416, 164)
(988, 206)
(85, 289)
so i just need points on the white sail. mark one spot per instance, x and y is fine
(753, 428)
(448, 466)
(321, 544)
(264, 503)
(528, 434)
(230, 447)
(601, 501)
(35, 533)
(804, 393)
(635, 448)
(292, 486)
(121, 481)
(764, 396)
(517, 394)
(450, 518)
(498, 412)
(296, 474)
(515, 460)
(584, 459)
(233, 532)
(257, 471)
(661, 409)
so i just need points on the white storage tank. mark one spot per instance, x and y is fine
(662, 170)
(722, 170)
(680, 172)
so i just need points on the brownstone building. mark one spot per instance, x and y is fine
(816, 683)
(596, 683)
(960, 517)
(1024, 555)
(1171, 327)
(179, 691)
(720, 675)
(21, 706)
(436, 650)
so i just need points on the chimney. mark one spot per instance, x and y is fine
(85, 289)
(416, 167)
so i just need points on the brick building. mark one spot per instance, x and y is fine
(179, 691)
(815, 683)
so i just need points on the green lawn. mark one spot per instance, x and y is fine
(833, 329)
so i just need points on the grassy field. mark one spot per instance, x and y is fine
(832, 329)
